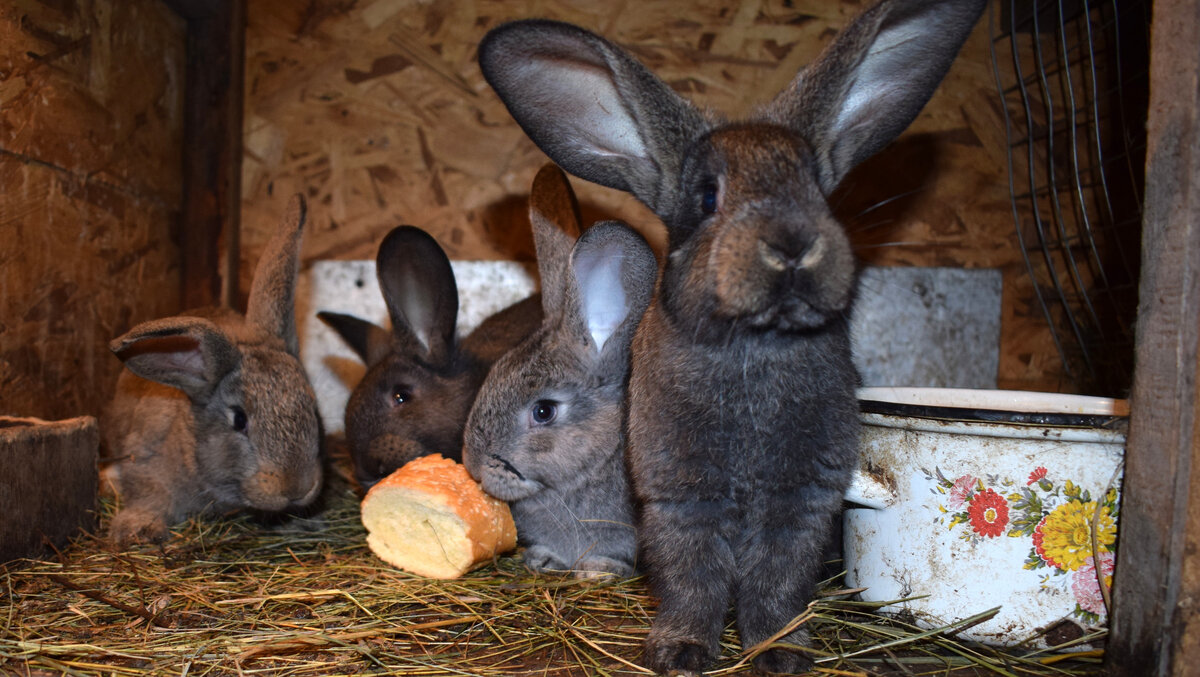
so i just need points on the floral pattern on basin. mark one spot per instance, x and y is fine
(1065, 525)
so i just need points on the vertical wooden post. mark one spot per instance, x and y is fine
(212, 149)
(1156, 609)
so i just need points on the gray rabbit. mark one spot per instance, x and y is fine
(743, 422)
(545, 433)
(213, 411)
(420, 379)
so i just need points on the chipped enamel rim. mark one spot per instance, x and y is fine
(998, 400)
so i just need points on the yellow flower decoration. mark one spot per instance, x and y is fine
(1063, 539)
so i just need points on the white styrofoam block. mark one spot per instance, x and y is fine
(936, 327)
(933, 327)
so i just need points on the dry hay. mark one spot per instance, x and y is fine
(306, 597)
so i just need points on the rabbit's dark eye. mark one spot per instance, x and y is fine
(708, 198)
(400, 395)
(544, 412)
(237, 418)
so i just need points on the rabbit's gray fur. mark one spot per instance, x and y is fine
(564, 477)
(420, 379)
(213, 411)
(742, 421)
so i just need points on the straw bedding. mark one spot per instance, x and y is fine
(240, 596)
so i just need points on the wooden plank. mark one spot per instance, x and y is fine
(95, 90)
(59, 459)
(212, 153)
(1155, 626)
(81, 263)
(196, 9)
(91, 127)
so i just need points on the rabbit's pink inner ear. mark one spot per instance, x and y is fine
(601, 292)
(587, 99)
(419, 290)
(614, 272)
(589, 106)
(176, 361)
(873, 79)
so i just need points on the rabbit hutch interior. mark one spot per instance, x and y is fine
(256, 255)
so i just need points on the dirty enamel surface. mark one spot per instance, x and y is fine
(979, 515)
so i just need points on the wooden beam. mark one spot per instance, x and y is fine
(212, 150)
(1156, 608)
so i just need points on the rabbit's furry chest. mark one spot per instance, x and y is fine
(760, 415)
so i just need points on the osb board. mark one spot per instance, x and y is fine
(90, 131)
(377, 110)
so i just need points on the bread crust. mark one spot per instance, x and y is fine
(432, 519)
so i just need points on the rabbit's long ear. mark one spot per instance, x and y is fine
(419, 289)
(591, 107)
(272, 304)
(554, 217)
(367, 339)
(873, 79)
(614, 272)
(188, 353)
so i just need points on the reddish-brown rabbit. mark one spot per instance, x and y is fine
(213, 411)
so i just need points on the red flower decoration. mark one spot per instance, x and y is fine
(989, 513)
(1037, 475)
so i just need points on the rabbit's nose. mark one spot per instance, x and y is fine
(783, 257)
(311, 493)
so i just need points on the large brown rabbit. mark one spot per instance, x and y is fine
(213, 411)
(742, 422)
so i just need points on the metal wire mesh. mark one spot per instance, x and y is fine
(1073, 78)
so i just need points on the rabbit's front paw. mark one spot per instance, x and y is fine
(782, 662)
(133, 525)
(785, 661)
(600, 567)
(677, 657)
(542, 558)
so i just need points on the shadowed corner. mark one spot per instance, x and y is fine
(889, 189)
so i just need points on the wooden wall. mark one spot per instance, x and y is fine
(91, 101)
(377, 110)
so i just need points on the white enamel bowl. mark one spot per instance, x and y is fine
(975, 499)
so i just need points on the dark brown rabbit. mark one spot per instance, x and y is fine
(545, 431)
(742, 421)
(420, 380)
(213, 411)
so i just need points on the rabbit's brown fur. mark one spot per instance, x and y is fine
(420, 381)
(214, 411)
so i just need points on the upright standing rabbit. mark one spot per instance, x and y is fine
(743, 420)
(214, 411)
(545, 433)
(420, 379)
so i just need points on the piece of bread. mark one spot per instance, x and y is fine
(432, 519)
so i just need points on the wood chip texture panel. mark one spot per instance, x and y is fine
(378, 112)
